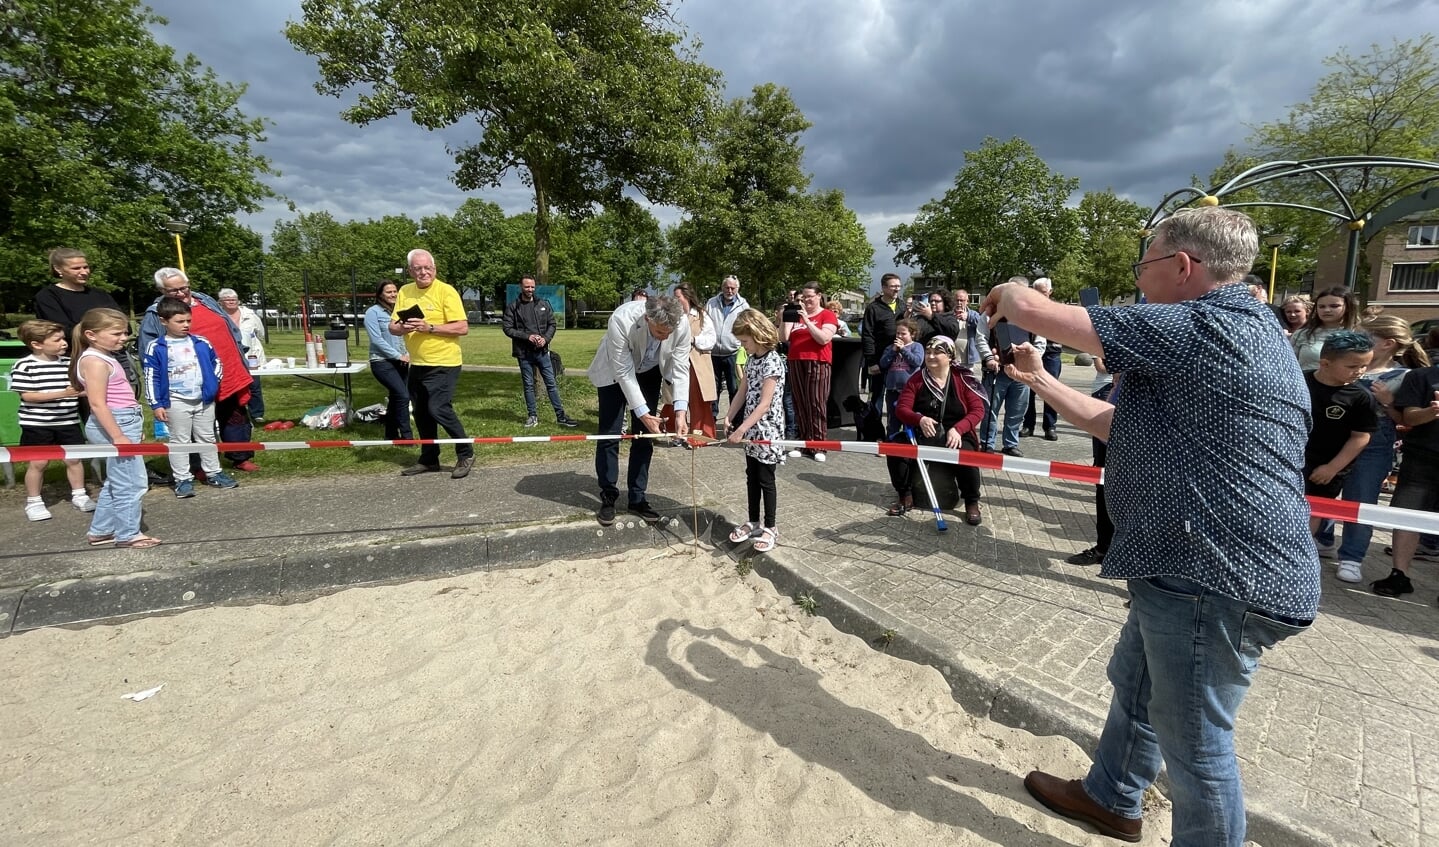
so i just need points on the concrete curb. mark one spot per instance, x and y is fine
(977, 686)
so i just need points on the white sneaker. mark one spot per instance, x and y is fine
(37, 512)
(1350, 572)
(1327, 551)
(83, 502)
(818, 456)
(793, 454)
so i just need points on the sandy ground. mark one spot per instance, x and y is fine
(649, 700)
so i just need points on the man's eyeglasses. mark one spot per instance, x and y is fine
(1138, 265)
(181, 290)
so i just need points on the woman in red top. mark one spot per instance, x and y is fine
(943, 406)
(810, 354)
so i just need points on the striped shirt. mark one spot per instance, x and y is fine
(39, 376)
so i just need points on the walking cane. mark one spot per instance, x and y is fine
(939, 523)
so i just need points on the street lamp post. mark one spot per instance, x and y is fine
(178, 227)
(1274, 241)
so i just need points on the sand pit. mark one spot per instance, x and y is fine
(628, 701)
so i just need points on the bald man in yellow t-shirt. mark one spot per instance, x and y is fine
(435, 358)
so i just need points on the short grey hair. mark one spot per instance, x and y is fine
(1225, 241)
(226, 292)
(730, 278)
(1022, 280)
(1042, 285)
(665, 310)
(169, 273)
(410, 256)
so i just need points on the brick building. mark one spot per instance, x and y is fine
(1403, 264)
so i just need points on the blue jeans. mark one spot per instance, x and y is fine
(117, 509)
(539, 359)
(393, 374)
(1180, 671)
(607, 453)
(1362, 485)
(1014, 396)
(257, 398)
(726, 379)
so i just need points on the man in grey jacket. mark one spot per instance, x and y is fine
(723, 308)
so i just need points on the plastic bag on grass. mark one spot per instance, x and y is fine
(371, 413)
(334, 416)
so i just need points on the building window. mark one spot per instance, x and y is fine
(1414, 277)
(1423, 236)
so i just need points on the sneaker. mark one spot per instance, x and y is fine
(222, 480)
(82, 502)
(1092, 556)
(1013, 451)
(1350, 572)
(606, 514)
(417, 469)
(463, 467)
(818, 456)
(37, 512)
(566, 421)
(531, 422)
(794, 454)
(1393, 585)
(258, 420)
(185, 489)
(985, 448)
(1327, 551)
(247, 466)
(646, 512)
(1421, 554)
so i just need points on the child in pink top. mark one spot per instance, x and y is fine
(115, 418)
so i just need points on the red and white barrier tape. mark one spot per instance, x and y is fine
(1339, 510)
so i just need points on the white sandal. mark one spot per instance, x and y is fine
(766, 540)
(744, 532)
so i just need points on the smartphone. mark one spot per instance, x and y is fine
(1008, 335)
(1088, 297)
(791, 313)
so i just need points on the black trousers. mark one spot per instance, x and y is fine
(759, 482)
(432, 388)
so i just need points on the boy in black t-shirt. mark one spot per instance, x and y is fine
(1344, 414)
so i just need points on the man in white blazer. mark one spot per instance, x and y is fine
(648, 342)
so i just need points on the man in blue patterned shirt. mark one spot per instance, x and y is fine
(1205, 489)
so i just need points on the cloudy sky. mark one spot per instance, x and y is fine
(1124, 95)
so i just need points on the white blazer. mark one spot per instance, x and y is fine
(623, 347)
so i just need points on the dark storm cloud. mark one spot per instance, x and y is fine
(1125, 95)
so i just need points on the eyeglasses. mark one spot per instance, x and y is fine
(181, 290)
(1138, 265)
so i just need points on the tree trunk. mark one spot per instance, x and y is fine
(542, 231)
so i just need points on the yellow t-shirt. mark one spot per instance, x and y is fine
(441, 304)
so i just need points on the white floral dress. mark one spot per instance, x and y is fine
(771, 425)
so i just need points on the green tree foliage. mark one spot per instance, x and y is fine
(757, 218)
(584, 100)
(1382, 103)
(104, 133)
(1109, 228)
(1005, 215)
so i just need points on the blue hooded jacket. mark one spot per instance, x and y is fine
(157, 371)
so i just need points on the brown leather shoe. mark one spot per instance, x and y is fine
(1068, 798)
(971, 513)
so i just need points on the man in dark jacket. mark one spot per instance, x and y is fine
(877, 333)
(530, 323)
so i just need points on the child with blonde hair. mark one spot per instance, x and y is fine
(759, 419)
(49, 412)
(115, 418)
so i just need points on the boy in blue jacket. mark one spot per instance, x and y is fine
(182, 380)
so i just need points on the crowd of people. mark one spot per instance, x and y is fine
(1213, 414)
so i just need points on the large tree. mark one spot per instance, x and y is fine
(1381, 103)
(1109, 227)
(584, 99)
(105, 133)
(1005, 215)
(756, 216)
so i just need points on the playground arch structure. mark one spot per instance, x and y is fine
(1415, 196)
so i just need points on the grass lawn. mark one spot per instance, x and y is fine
(485, 345)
